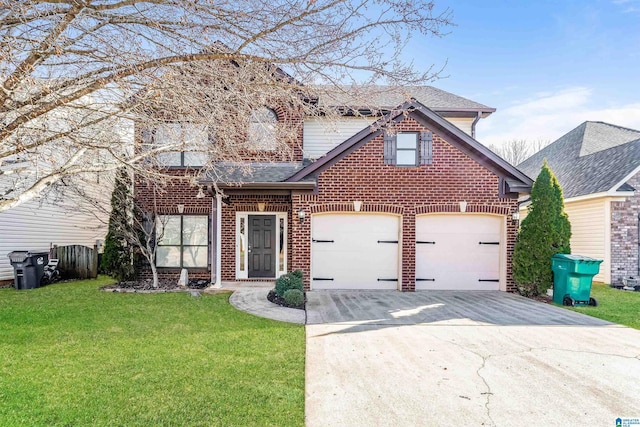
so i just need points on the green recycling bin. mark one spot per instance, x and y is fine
(572, 277)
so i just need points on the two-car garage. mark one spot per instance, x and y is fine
(363, 251)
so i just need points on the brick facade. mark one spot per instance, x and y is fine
(165, 201)
(247, 203)
(362, 175)
(624, 235)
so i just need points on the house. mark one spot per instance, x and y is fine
(405, 200)
(50, 220)
(598, 164)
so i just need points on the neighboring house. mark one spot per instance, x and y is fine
(422, 207)
(598, 164)
(38, 224)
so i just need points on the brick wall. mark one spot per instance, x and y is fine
(624, 235)
(247, 203)
(166, 201)
(438, 187)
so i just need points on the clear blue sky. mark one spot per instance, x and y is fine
(547, 66)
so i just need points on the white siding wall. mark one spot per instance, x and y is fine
(463, 124)
(589, 235)
(590, 232)
(32, 226)
(320, 135)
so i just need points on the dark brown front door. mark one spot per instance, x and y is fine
(262, 246)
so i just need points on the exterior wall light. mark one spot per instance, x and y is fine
(302, 215)
(515, 215)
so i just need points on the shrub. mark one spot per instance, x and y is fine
(544, 232)
(294, 297)
(289, 281)
(117, 255)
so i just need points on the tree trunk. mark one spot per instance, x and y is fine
(154, 271)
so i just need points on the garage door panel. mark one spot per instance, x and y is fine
(456, 259)
(349, 249)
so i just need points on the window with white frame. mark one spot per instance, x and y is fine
(407, 149)
(261, 134)
(187, 143)
(182, 241)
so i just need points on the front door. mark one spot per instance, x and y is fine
(262, 246)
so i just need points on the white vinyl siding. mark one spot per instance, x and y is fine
(321, 135)
(32, 226)
(462, 123)
(589, 225)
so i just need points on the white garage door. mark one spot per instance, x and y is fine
(458, 251)
(354, 251)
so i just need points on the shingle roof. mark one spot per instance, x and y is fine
(389, 97)
(592, 158)
(257, 172)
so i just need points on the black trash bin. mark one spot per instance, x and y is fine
(28, 268)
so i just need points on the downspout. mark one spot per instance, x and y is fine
(216, 225)
(218, 283)
(473, 125)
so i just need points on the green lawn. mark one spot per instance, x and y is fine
(615, 306)
(72, 355)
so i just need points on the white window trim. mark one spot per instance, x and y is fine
(279, 215)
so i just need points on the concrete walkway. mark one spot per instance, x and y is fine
(252, 298)
(464, 358)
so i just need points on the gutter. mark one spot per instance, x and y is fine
(473, 124)
(306, 185)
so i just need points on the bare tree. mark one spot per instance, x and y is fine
(514, 151)
(75, 73)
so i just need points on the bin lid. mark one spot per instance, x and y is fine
(18, 256)
(574, 257)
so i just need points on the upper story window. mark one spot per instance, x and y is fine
(408, 148)
(261, 134)
(187, 140)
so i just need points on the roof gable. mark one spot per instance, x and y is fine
(517, 181)
(600, 136)
(595, 157)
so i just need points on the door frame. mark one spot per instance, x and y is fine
(400, 233)
(502, 262)
(241, 241)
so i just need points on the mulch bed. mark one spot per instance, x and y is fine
(543, 298)
(277, 299)
(164, 285)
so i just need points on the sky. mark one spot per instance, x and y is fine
(546, 66)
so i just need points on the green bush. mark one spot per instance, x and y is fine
(543, 233)
(294, 297)
(289, 281)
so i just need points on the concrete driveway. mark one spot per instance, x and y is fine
(465, 359)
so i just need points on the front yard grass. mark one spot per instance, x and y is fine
(72, 355)
(614, 305)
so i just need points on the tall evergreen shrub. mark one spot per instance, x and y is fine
(544, 232)
(117, 255)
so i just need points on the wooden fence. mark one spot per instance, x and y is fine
(76, 261)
